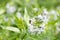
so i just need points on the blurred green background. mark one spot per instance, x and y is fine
(21, 19)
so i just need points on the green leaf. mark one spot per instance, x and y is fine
(26, 16)
(14, 29)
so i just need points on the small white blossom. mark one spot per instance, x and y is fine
(6, 19)
(40, 17)
(45, 11)
(7, 5)
(42, 25)
(45, 19)
(36, 30)
(30, 26)
(53, 12)
(36, 9)
(10, 9)
(18, 15)
(40, 30)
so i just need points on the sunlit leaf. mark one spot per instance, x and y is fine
(14, 29)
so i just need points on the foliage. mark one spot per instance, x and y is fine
(19, 17)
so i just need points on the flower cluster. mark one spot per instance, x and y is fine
(37, 24)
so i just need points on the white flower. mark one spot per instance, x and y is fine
(6, 19)
(7, 5)
(40, 30)
(42, 25)
(40, 17)
(10, 9)
(18, 15)
(30, 28)
(53, 11)
(45, 19)
(35, 30)
(45, 12)
(36, 9)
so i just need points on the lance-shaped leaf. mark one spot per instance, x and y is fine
(26, 16)
(14, 29)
